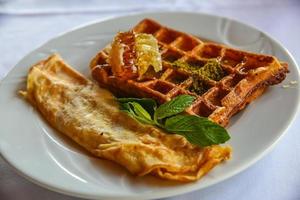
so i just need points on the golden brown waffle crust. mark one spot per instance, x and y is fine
(248, 74)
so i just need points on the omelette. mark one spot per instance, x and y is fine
(90, 116)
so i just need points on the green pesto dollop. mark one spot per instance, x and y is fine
(212, 70)
(199, 85)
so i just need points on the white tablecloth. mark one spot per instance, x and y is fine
(26, 24)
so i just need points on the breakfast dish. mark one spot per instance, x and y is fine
(223, 80)
(91, 117)
(38, 150)
(177, 70)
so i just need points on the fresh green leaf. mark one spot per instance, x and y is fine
(125, 107)
(148, 104)
(197, 130)
(140, 111)
(173, 107)
(135, 110)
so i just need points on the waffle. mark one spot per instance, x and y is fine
(245, 75)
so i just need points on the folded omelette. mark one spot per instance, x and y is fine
(90, 116)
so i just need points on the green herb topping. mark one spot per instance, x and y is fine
(200, 85)
(212, 70)
(176, 106)
(197, 130)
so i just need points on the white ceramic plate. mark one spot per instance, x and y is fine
(47, 158)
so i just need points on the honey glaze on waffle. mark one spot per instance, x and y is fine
(241, 76)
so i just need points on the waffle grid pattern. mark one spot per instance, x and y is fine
(247, 74)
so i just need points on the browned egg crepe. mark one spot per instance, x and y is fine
(90, 116)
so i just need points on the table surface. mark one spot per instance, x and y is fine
(26, 24)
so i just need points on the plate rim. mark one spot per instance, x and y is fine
(178, 191)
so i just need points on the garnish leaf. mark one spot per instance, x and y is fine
(197, 130)
(135, 110)
(147, 103)
(173, 107)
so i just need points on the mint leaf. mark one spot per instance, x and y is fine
(140, 111)
(148, 104)
(197, 130)
(125, 107)
(135, 110)
(173, 107)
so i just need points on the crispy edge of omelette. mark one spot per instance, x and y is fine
(90, 116)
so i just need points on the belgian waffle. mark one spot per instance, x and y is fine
(246, 75)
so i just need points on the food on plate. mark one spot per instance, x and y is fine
(223, 80)
(91, 117)
(132, 54)
(175, 93)
(170, 117)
